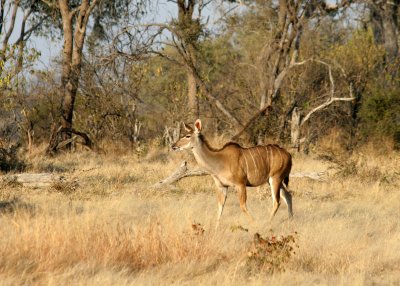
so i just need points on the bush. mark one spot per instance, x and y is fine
(380, 113)
(270, 254)
(9, 160)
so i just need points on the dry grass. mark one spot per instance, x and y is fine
(114, 229)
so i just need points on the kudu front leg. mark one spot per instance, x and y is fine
(222, 192)
(221, 195)
(242, 199)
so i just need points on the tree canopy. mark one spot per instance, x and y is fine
(293, 72)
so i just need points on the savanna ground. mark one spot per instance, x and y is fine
(110, 227)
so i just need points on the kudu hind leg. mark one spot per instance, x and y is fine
(275, 186)
(287, 197)
(243, 198)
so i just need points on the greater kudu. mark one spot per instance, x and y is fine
(233, 165)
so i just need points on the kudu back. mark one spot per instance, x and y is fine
(235, 166)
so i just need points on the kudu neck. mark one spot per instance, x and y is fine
(205, 155)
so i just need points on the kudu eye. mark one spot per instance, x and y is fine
(187, 136)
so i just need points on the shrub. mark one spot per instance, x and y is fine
(9, 160)
(270, 254)
(380, 113)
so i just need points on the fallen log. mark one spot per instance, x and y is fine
(183, 171)
(32, 180)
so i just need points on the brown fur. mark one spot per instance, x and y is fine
(235, 166)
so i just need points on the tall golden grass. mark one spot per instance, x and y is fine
(114, 229)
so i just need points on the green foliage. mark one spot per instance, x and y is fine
(164, 87)
(380, 112)
(359, 52)
(5, 80)
(12, 68)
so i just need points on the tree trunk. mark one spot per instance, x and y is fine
(68, 94)
(295, 128)
(72, 59)
(8, 32)
(389, 31)
(384, 25)
(192, 96)
(188, 32)
(2, 8)
(376, 21)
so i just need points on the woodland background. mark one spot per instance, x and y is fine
(305, 74)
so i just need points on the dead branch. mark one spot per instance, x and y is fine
(266, 107)
(332, 97)
(183, 172)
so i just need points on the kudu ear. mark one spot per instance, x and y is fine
(187, 127)
(197, 126)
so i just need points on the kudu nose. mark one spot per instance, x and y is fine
(174, 147)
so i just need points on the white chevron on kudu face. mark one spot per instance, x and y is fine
(233, 165)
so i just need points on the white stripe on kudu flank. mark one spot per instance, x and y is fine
(280, 154)
(247, 166)
(254, 161)
(261, 158)
(271, 158)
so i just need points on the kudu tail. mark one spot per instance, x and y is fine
(286, 181)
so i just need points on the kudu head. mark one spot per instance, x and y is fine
(189, 140)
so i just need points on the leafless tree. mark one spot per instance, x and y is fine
(280, 53)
